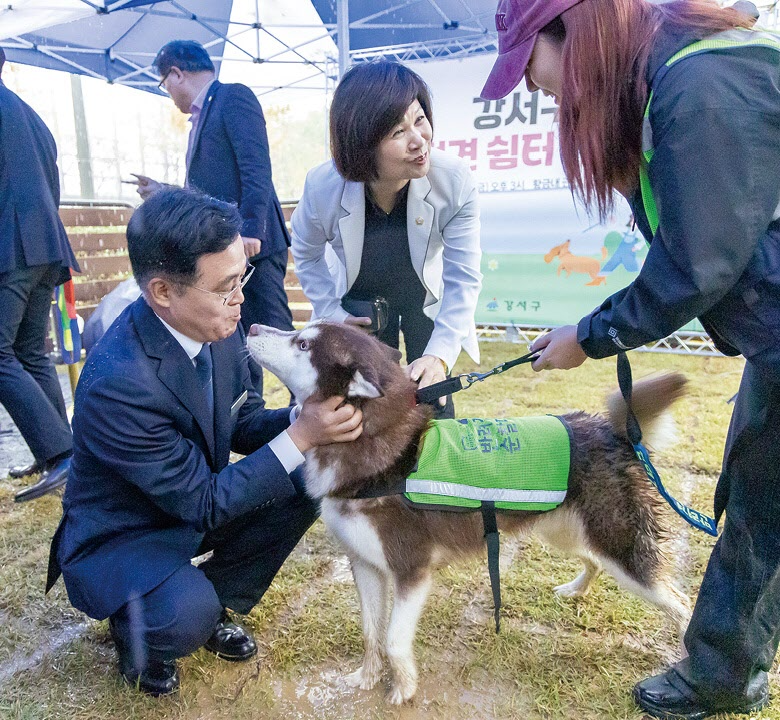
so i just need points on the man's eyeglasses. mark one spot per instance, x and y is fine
(226, 297)
(161, 84)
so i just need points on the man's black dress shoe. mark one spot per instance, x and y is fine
(54, 475)
(21, 471)
(670, 697)
(231, 641)
(158, 679)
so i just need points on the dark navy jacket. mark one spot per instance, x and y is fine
(715, 176)
(230, 161)
(150, 473)
(31, 232)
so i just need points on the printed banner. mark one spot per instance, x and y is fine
(545, 261)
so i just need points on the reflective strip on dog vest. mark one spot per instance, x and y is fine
(514, 463)
(737, 38)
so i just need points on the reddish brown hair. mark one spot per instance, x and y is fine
(605, 52)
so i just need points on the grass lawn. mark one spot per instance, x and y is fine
(555, 658)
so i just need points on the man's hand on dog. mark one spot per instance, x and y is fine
(324, 422)
(560, 350)
(428, 370)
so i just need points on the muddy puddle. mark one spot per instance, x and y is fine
(327, 695)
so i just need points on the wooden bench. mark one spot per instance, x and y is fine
(97, 235)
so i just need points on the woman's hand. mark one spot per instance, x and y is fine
(560, 350)
(360, 322)
(428, 370)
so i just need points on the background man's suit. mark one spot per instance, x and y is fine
(35, 257)
(229, 160)
(151, 487)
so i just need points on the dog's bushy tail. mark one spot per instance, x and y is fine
(651, 397)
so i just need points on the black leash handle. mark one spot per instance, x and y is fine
(466, 380)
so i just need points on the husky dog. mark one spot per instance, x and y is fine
(609, 519)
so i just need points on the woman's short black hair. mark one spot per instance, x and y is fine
(186, 55)
(369, 101)
(173, 228)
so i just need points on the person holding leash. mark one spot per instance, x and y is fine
(164, 398)
(387, 233)
(677, 107)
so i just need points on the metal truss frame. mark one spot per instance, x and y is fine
(680, 343)
(439, 50)
(139, 72)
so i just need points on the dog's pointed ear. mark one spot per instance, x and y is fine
(393, 353)
(364, 385)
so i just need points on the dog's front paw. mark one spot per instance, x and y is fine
(404, 683)
(363, 679)
(401, 693)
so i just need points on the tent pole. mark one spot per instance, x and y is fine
(342, 30)
(82, 139)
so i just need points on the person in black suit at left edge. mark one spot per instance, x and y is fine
(35, 257)
(164, 397)
(228, 158)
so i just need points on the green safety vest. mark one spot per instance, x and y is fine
(739, 37)
(515, 463)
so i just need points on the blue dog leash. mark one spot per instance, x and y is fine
(699, 520)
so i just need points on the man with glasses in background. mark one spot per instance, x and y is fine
(164, 398)
(228, 158)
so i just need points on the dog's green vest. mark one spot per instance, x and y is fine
(516, 463)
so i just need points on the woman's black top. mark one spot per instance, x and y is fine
(386, 265)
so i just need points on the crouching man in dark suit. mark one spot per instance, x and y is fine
(165, 395)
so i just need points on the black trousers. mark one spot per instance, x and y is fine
(735, 628)
(417, 329)
(29, 388)
(265, 302)
(179, 615)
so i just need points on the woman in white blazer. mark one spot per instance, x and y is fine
(392, 217)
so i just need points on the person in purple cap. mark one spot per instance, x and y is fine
(677, 107)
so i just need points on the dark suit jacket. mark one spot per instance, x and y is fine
(31, 232)
(150, 474)
(230, 161)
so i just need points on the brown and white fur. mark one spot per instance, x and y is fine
(609, 518)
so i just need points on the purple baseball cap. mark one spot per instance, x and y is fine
(518, 22)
